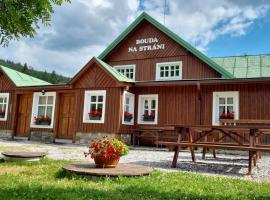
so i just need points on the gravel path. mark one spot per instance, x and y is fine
(227, 165)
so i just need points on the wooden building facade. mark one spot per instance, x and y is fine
(147, 77)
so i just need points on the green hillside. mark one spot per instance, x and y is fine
(51, 77)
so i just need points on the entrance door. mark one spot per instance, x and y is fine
(24, 115)
(66, 127)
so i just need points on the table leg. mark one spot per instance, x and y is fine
(191, 148)
(214, 153)
(134, 138)
(175, 157)
(203, 153)
(250, 159)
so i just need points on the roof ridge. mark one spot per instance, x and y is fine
(246, 55)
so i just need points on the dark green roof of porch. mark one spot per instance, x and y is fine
(246, 66)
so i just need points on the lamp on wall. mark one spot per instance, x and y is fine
(43, 92)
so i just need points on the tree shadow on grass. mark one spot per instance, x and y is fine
(230, 169)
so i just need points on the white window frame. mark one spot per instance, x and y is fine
(125, 67)
(234, 94)
(5, 95)
(36, 96)
(159, 65)
(140, 108)
(131, 105)
(86, 107)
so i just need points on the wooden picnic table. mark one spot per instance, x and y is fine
(235, 133)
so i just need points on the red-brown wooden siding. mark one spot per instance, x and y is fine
(6, 86)
(145, 61)
(95, 78)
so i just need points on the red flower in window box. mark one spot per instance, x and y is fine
(42, 120)
(95, 115)
(128, 116)
(147, 117)
(229, 115)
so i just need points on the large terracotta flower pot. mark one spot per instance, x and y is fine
(100, 163)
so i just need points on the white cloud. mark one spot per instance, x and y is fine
(84, 28)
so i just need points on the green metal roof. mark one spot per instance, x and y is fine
(21, 79)
(189, 47)
(119, 76)
(246, 66)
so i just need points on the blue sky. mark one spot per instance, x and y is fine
(83, 29)
(255, 41)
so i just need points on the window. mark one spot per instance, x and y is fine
(169, 71)
(148, 109)
(4, 99)
(94, 106)
(225, 106)
(43, 110)
(127, 70)
(128, 108)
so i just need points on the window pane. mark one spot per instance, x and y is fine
(146, 104)
(131, 75)
(2, 108)
(1, 100)
(221, 100)
(172, 73)
(41, 110)
(153, 106)
(42, 100)
(229, 109)
(100, 107)
(177, 73)
(92, 107)
(172, 68)
(100, 98)
(177, 67)
(166, 73)
(49, 111)
(127, 100)
(126, 108)
(167, 68)
(221, 110)
(229, 100)
(50, 100)
(161, 74)
(93, 98)
(5, 100)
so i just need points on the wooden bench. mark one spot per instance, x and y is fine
(154, 132)
(241, 144)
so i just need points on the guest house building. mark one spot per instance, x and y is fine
(147, 77)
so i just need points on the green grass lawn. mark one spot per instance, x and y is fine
(46, 180)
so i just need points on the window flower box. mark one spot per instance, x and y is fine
(128, 117)
(42, 120)
(229, 115)
(149, 118)
(95, 115)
